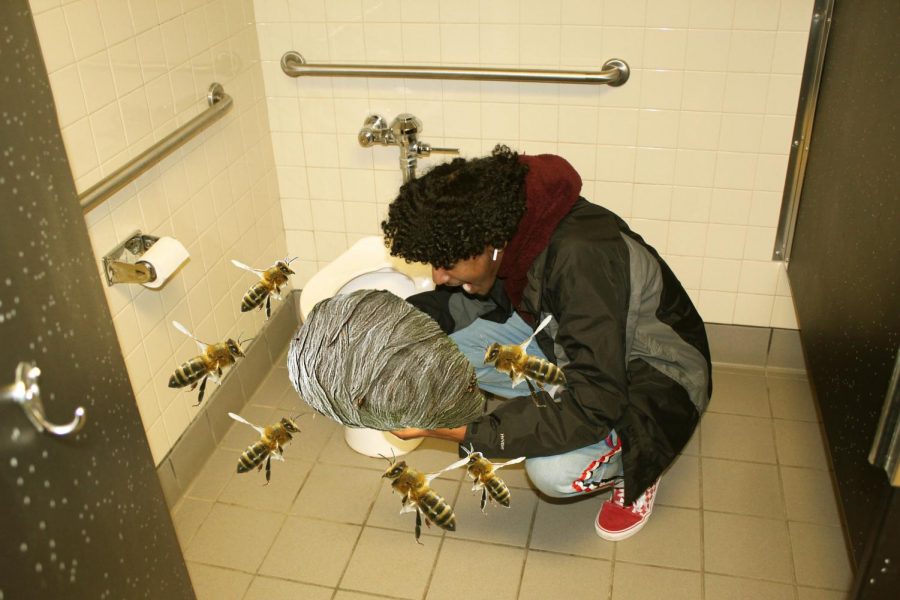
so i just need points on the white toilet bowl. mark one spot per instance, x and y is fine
(368, 265)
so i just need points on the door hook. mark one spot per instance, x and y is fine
(27, 394)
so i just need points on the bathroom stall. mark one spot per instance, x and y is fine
(321, 119)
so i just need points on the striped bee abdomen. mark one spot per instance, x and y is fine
(438, 511)
(544, 371)
(498, 490)
(252, 457)
(189, 372)
(254, 296)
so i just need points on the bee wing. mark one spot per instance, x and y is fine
(241, 419)
(507, 463)
(241, 265)
(543, 324)
(187, 332)
(461, 462)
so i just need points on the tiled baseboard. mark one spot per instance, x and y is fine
(196, 445)
(730, 345)
(755, 347)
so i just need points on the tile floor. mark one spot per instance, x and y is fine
(747, 512)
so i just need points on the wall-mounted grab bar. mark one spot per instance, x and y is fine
(219, 104)
(615, 72)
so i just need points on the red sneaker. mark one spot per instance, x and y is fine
(615, 521)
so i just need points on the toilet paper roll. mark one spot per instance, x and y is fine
(165, 257)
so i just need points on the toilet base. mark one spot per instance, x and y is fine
(374, 443)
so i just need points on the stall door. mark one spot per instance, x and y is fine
(83, 512)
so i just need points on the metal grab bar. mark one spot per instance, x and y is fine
(615, 72)
(219, 104)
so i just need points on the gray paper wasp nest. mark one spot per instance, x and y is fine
(370, 359)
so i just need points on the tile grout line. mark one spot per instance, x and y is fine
(527, 546)
(783, 493)
(702, 516)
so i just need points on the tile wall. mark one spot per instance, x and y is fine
(692, 151)
(124, 74)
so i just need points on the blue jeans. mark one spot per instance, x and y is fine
(585, 470)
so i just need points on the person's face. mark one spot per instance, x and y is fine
(476, 275)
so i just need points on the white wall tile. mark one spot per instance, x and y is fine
(753, 309)
(661, 89)
(654, 165)
(695, 168)
(720, 274)
(795, 15)
(712, 14)
(624, 12)
(716, 307)
(664, 48)
(707, 49)
(730, 206)
(703, 91)
(687, 239)
(783, 313)
(615, 163)
(725, 241)
(691, 203)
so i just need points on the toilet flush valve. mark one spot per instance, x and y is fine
(403, 132)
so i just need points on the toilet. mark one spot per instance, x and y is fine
(368, 265)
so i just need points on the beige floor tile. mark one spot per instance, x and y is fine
(738, 438)
(273, 388)
(638, 581)
(680, 485)
(550, 575)
(268, 588)
(409, 570)
(311, 551)
(234, 537)
(337, 493)
(692, 448)
(315, 432)
(671, 538)
(345, 595)
(739, 394)
(385, 512)
(720, 587)
(459, 564)
(807, 593)
(820, 556)
(214, 475)
(792, 398)
(809, 496)
(800, 444)
(215, 583)
(747, 547)
(497, 524)
(187, 516)
(740, 487)
(249, 489)
(337, 452)
(567, 526)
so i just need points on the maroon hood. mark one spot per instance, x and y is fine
(551, 188)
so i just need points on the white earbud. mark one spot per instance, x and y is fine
(494, 258)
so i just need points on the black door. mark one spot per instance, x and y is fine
(83, 514)
(845, 271)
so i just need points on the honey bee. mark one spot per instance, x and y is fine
(208, 364)
(419, 497)
(270, 444)
(267, 287)
(484, 473)
(515, 362)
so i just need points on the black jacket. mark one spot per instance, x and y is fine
(625, 333)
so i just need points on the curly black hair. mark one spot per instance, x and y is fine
(457, 209)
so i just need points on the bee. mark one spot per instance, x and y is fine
(270, 444)
(208, 364)
(484, 473)
(419, 497)
(513, 360)
(267, 287)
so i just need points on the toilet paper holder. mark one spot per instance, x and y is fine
(118, 271)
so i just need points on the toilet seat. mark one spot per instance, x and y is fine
(367, 264)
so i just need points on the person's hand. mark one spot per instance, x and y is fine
(457, 434)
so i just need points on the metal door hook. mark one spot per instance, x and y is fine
(27, 394)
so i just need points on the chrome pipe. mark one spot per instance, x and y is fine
(615, 72)
(219, 103)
